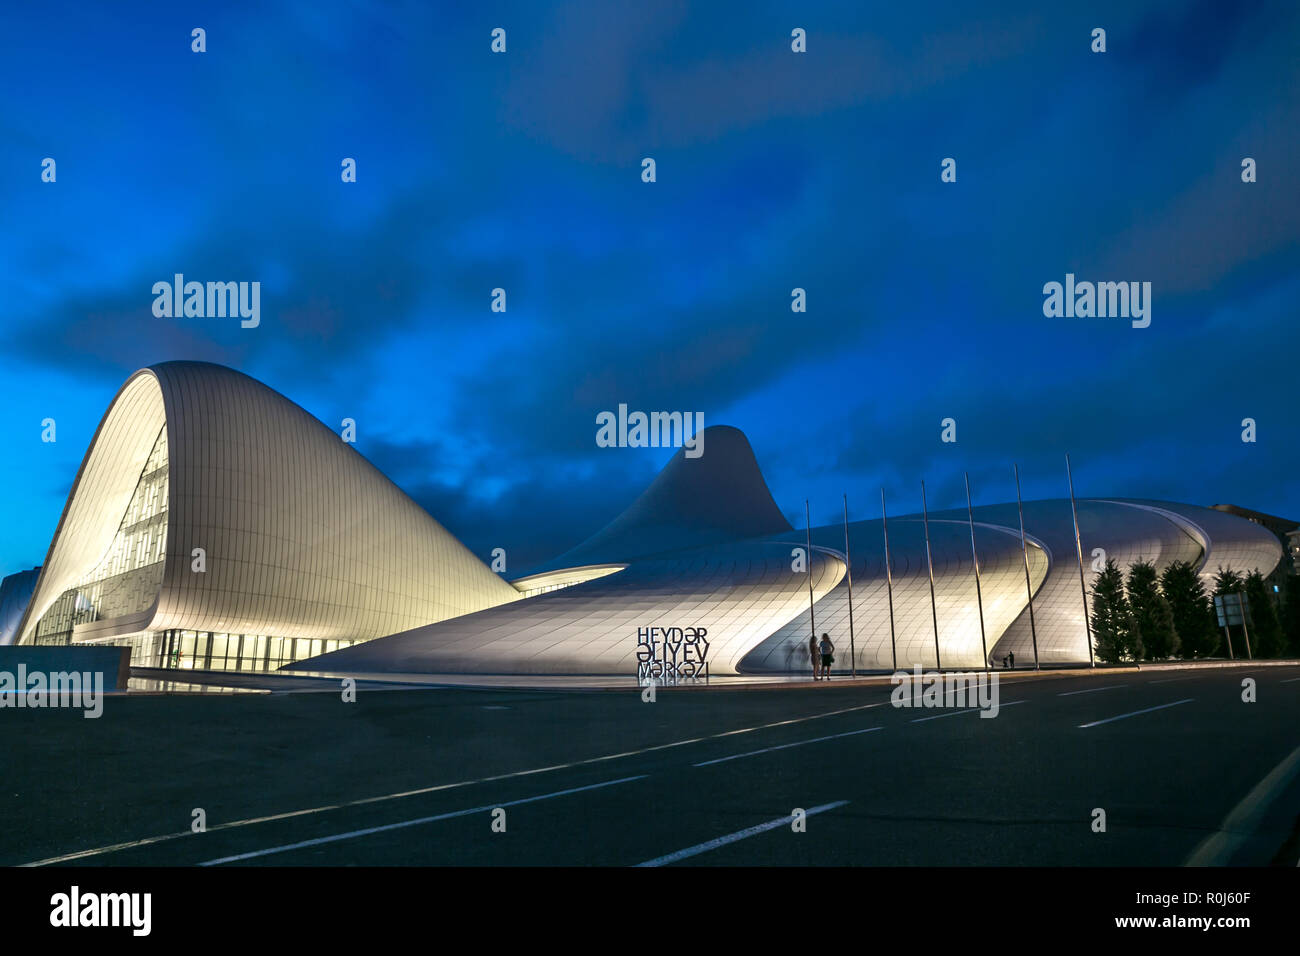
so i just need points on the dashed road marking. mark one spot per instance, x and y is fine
(797, 743)
(1134, 713)
(353, 834)
(1090, 690)
(967, 710)
(738, 835)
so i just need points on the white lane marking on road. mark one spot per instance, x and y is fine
(797, 743)
(353, 834)
(1172, 680)
(1289, 680)
(161, 838)
(1090, 690)
(1134, 713)
(967, 710)
(1218, 848)
(738, 835)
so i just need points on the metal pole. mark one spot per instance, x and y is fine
(848, 562)
(1241, 601)
(889, 580)
(934, 611)
(1024, 550)
(1078, 547)
(979, 597)
(808, 527)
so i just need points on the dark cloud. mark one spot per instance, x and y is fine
(532, 511)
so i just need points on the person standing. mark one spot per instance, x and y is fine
(812, 656)
(828, 656)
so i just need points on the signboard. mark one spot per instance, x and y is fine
(1229, 607)
(671, 655)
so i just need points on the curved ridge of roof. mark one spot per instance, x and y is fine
(719, 495)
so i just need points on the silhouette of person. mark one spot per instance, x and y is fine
(828, 656)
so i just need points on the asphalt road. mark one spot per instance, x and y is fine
(694, 778)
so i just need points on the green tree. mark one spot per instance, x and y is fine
(1193, 612)
(1228, 581)
(1153, 618)
(1112, 620)
(1265, 632)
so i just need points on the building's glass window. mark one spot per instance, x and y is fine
(187, 650)
(207, 650)
(126, 580)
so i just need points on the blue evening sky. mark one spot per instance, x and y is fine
(775, 170)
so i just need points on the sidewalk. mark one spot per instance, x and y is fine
(173, 681)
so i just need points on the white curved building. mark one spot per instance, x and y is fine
(1124, 530)
(705, 545)
(214, 524)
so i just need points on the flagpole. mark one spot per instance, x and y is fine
(1078, 547)
(808, 528)
(929, 560)
(1024, 550)
(889, 580)
(979, 597)
(848, 563)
